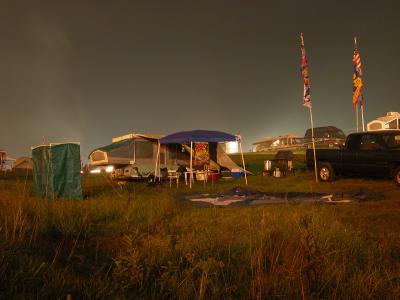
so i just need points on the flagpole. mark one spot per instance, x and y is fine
(362, 117)
(313, 144)
(356, 117)
(358, 86)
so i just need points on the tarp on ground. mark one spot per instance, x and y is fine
(56, 171)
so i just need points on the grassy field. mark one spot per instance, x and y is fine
(138, 242)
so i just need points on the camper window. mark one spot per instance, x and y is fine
(143, 149)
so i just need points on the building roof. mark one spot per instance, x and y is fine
(23, 160)
(136, 136)
(390, 116)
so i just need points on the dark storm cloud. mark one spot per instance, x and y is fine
(90, 70)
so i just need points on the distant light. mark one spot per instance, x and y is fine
(109, 169)
(232, 147)
(95, 171)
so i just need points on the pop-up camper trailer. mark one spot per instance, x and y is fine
(134, 156)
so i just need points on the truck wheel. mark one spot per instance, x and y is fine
(325, 172)
(396, 175)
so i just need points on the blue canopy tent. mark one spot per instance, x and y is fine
(194, 136)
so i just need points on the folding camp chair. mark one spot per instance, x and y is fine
(173, 175)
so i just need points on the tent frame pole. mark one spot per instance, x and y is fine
(157, 159)
(191, 164)
(243, 164)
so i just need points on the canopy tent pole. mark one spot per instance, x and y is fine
(158, 155)
(159, 163)
(191, 164)
(243, 164)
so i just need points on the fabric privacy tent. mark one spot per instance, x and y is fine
(57, 171)
(194, 136)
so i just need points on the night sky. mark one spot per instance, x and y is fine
(88, 71)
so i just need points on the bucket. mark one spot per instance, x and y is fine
(267, 165)
(236, 173)
(277, 172)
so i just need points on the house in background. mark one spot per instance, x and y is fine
(6, 162)
(288, 141)
(23, 166)
(3, 156)
(390, 121)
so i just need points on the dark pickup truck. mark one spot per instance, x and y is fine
(372, 153)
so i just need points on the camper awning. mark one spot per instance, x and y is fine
(197, 136)
(112, 146)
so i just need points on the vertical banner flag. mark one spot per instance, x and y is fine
(307, 98)
(201, 154)
(357, 80)
(304, 72)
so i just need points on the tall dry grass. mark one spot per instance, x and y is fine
(139, 242)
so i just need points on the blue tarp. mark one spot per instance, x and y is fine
(197, 136)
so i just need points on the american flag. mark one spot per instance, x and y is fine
(304, 72)
(357, 77)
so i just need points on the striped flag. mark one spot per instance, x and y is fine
(304, 72)
(357, 77)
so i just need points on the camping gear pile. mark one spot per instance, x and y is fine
(281, 165)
